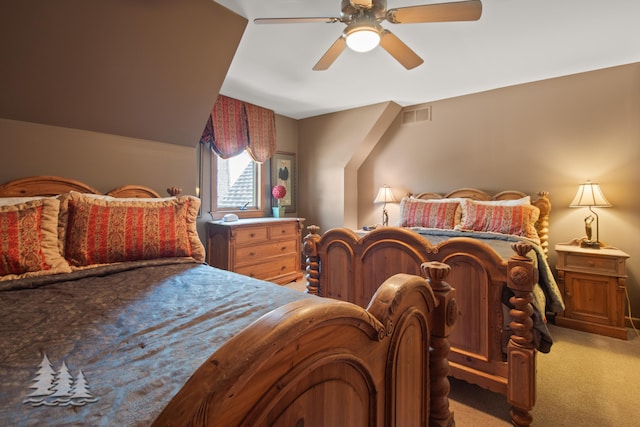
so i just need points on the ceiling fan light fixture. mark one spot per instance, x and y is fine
(363, 38)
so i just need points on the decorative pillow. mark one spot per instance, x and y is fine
(517, 220)
(437, 213)
(511, 202)
(7, 201)
(129, 199)
(96, 231)
(29, 240)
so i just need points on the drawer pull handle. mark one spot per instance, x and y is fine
(284, 248)
(284, 267)
(283, 231)
(252, 235)
(252, 253)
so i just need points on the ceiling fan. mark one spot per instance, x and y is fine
(364, 32)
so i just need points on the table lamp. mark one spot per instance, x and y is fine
(590, 195)
(384, 195)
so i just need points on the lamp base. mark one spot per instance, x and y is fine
(591, 244)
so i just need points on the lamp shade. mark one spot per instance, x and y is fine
(384, 195)
(589, 194)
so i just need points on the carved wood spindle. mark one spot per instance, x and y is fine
(542, 225)
(521, 351)
(436, 273)
(312, 267)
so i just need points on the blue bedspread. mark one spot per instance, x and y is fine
(117, 348)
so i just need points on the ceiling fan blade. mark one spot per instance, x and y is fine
(331, 54)
(441, 12)
(400, 51)
(328, 20)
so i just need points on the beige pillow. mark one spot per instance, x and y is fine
(29, 240)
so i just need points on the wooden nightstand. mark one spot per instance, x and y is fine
(593, 285)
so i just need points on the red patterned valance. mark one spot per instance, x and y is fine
(262, 132)
(230, 133)
(234, 126)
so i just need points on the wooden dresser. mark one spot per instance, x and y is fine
(593, 285)
(264, 248)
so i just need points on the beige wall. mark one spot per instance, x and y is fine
(100, 160)
(331, 149)
(546, 136)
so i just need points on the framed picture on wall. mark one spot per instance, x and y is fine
(283, 172)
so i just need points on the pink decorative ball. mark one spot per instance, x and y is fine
(279, 191)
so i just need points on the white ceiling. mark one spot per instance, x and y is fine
(514, 42)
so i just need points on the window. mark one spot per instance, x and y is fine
(238, 185)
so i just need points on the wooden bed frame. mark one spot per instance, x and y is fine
(320, 361)
(344, 266)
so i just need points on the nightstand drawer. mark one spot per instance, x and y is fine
(600, 265)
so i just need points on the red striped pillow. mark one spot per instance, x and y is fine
(516, 220)
(428, 213)
(29, 240)
(97, 231)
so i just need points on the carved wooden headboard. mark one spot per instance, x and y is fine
(54, 185)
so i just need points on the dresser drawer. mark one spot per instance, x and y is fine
(250, 254)
(251, 235)
(288, 230)
(272, 268)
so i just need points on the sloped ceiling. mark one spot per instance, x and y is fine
(142, 69)
(514, 42)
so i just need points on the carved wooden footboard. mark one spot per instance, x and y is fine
(341, 265)
(324, 362)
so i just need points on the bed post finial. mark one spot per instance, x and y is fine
(310, 250)
(436, 273)
(174, 191)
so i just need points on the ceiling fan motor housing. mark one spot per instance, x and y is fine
(353, 9)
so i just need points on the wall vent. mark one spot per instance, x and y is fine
(416, 116)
